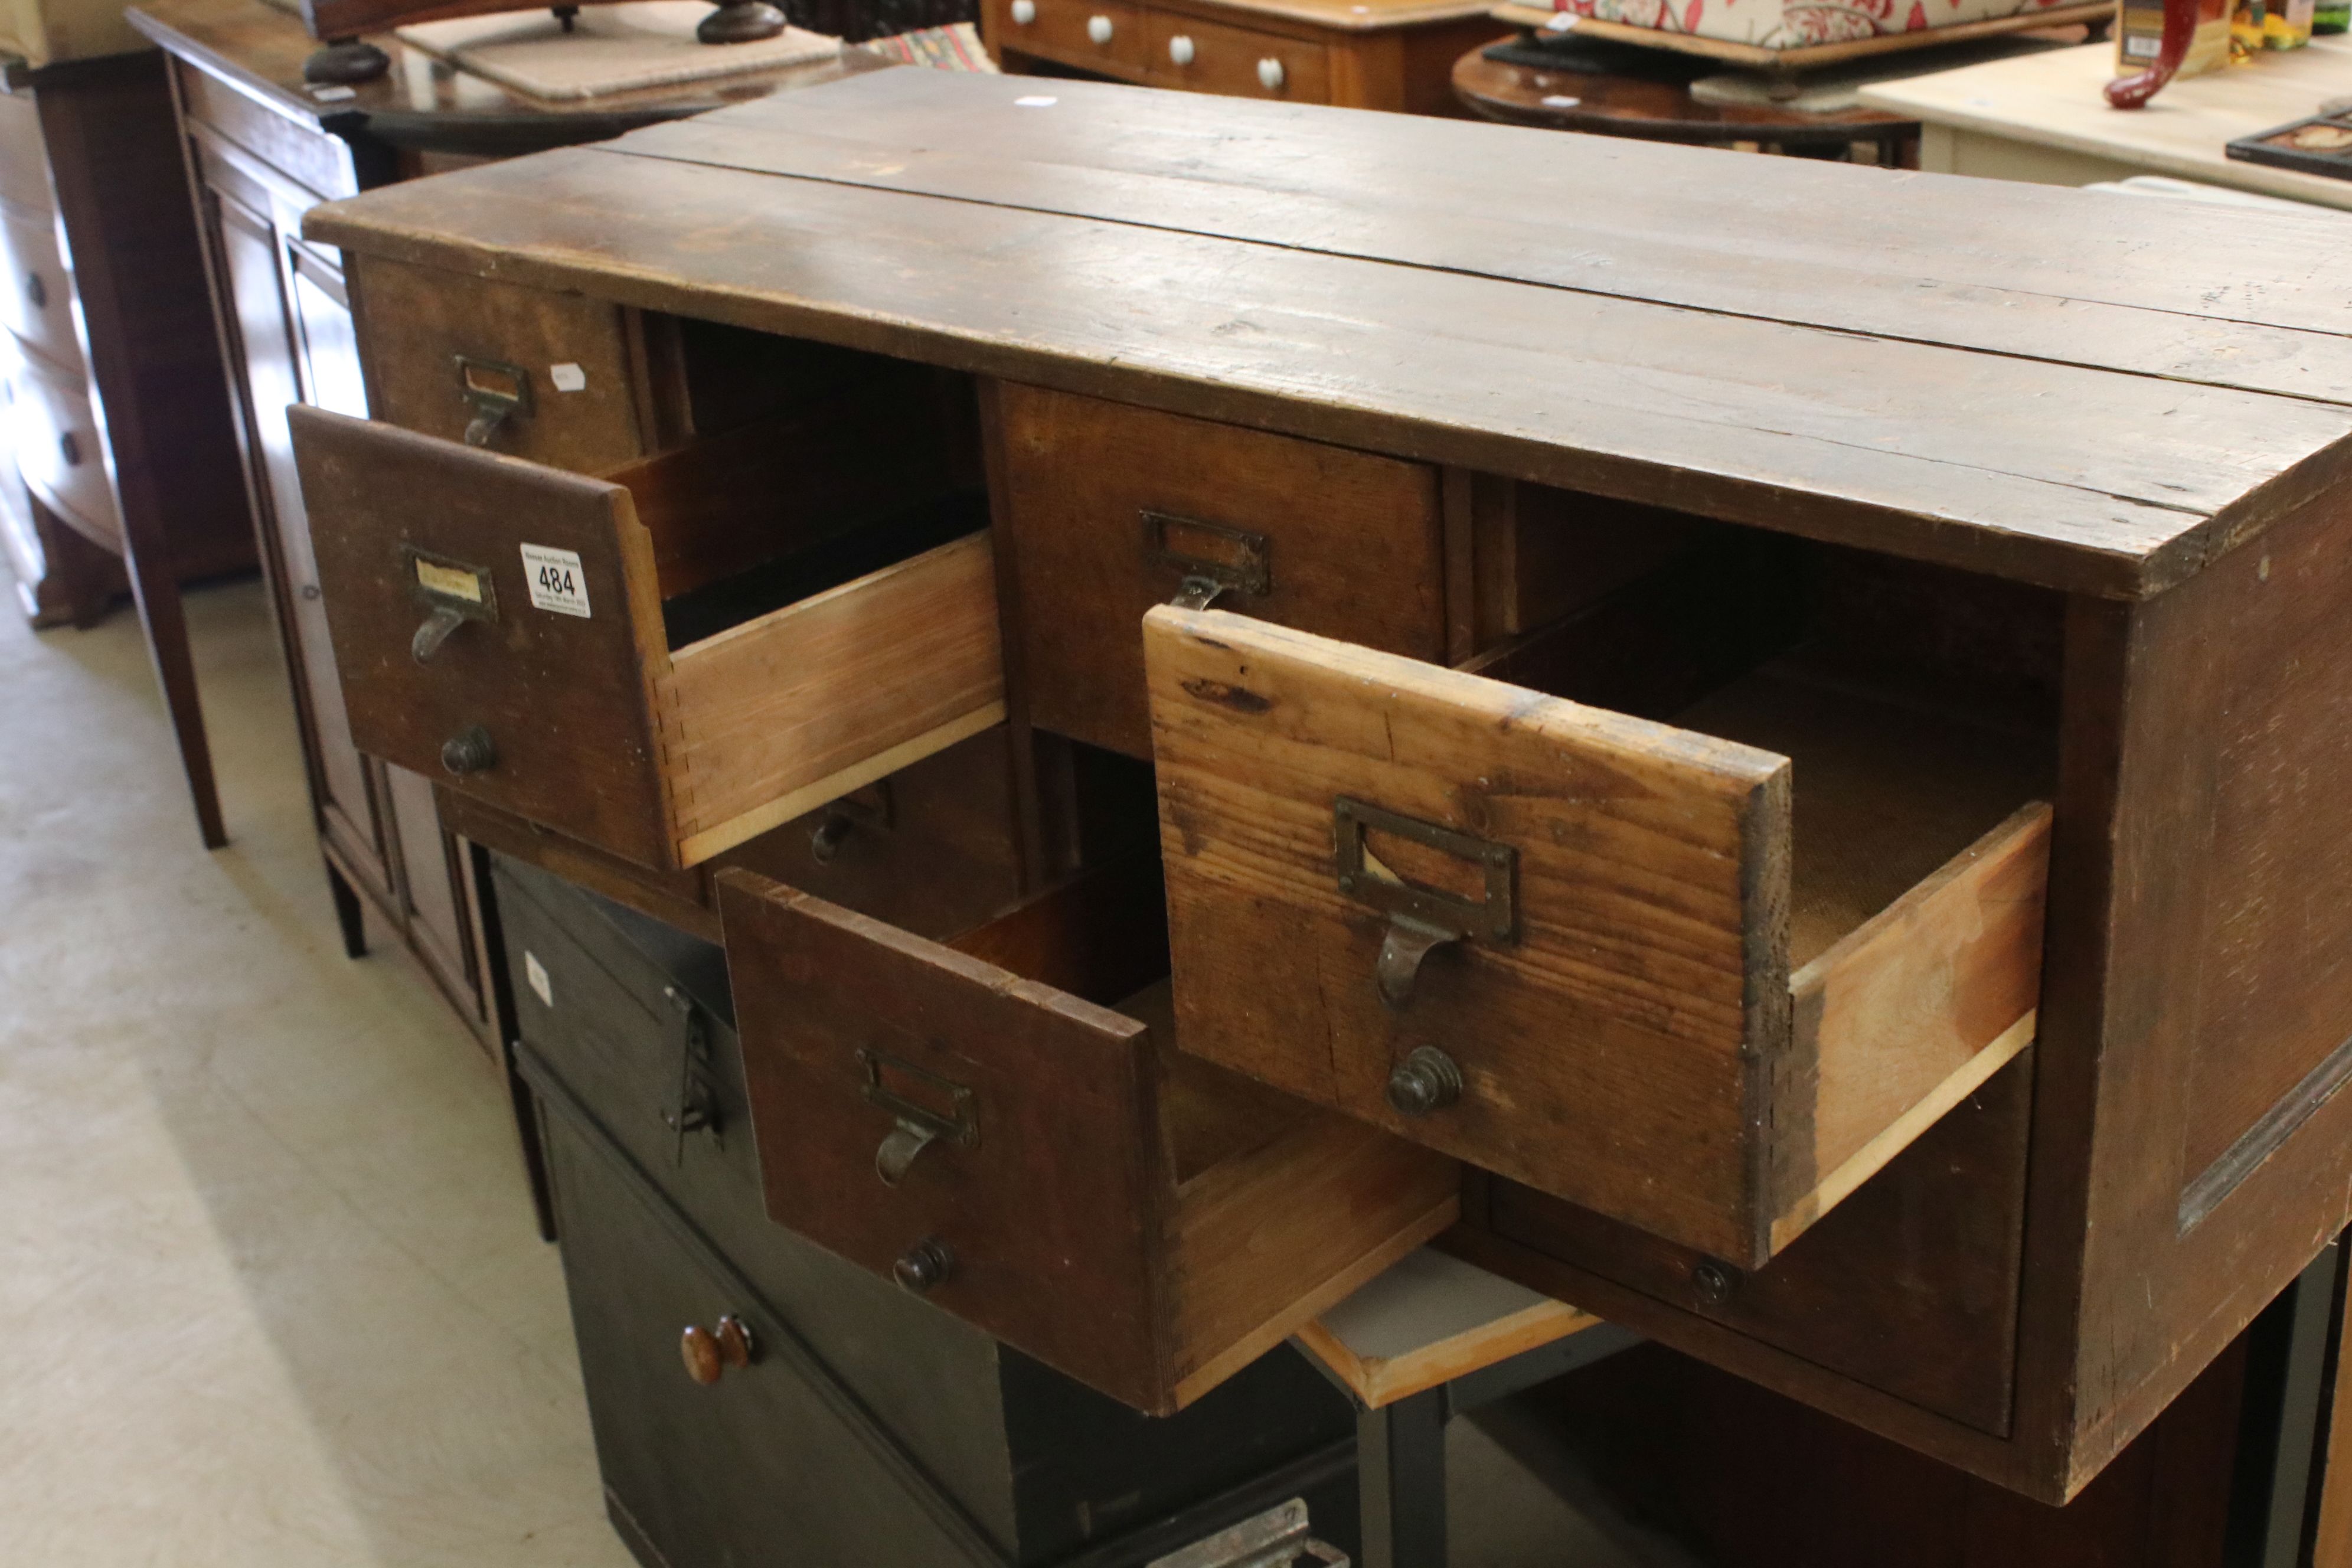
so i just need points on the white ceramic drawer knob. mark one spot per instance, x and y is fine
(1098, 28)
(1179, 50)
(1024, 12)
(1269, 74)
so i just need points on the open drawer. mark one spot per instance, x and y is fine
(634, 660)
(1704, 977)
(969, 1120)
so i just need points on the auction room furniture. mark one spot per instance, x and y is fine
(2042, 118)
(1622, 90)
(1358, 54)
(1804, 754)
(262, 148)
(117, 419)
(749, 1391)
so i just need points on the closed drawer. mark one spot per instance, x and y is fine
(57, 448)
(1209, 57)
(533, 372)
(24, 159)
(1105, 36)
(1108, 510)
(972, 1122)
(1594, 953)
(581, 671)
(37, 295)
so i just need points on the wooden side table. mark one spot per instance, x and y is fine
(1358, 54)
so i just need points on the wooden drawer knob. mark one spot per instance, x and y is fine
(1024, 12)
(470, 750)
(709, 1352)
(1180, 50)
(1424, 1081)
(923, 1267)
(1099, 29)
(1270, 74)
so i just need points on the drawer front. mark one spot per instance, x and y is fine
(555, 700)
(443, 349)
(1107, 509)
(24, 159)
(717, 1473)
(1034, 1204)
(57, 448)
(1200, 56)
(1105, 36)
(294, 148)
(37, 296)
(1556, 941)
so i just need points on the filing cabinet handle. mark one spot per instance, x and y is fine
(470, 750)
(899, 1146)
(434, 631)
(1421, 919)
(711, 1354)
(1099, 28)
(1212, 558)
(36, 291)
(1424, 1081)
(495, 390)
(1282, 1534)
(924, 1266)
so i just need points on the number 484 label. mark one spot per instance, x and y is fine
(556, 580)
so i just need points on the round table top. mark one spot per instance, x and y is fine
(1619, 89)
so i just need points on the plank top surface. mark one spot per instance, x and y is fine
(2049, 384)
(2053, 101)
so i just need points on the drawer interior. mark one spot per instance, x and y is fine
(1057, 1118)
(1702, 955)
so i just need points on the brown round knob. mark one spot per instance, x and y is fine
(923, 1265)
(708, 1352)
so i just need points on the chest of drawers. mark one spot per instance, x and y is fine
(1777, 715)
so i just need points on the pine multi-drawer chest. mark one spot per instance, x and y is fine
(1758, 745)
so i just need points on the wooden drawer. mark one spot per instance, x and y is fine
(597, 677)
(1107, 510)
(1200, 56)
(933, 848)
(24, 158)
(1594, 953)
(1067, 30)
(552, 372)
(1042, 1166)
(57, 448)
(37, 295)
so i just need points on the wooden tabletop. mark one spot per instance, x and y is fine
(2053, 101)
(2039, 382)
(424, 99)
(1351, 15)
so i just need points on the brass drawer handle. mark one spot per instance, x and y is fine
(469, 751)
(495, 392)
(1423, 918)
(953, 1113)
(1424, 1081)
(709, 1353)
(1212, 558)
(923, 1267)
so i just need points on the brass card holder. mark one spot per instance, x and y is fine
(915, 1126)
(452, 592)
(1423, 918)
(1213, 559)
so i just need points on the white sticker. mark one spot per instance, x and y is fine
(568, 377)
(1032, 103)
(536, 974)
(1560, 22)
(556, 581)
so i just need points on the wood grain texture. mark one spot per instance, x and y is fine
(867, 677)
(1077, 1234)
(1640, 1046)
(1428, 1320)
(1964, 469)
(1351, 544)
